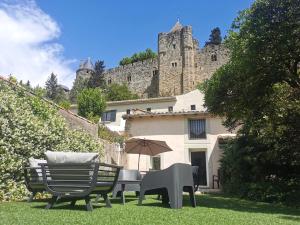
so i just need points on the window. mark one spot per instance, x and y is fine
(213, 57)
(148, 109)
(174, 46)
(155, 162)
(174, 64)
(193, 107)
(129, 78)
(197, 129)
(128, 111)
(155, 72)
(109, 116)
(109, 81)
(170, 109)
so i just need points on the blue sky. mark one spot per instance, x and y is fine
(110, 30)
(38, 37)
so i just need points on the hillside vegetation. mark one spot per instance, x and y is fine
(30, 126)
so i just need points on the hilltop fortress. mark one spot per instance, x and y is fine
(178, 68)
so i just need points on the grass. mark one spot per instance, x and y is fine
(211, 209)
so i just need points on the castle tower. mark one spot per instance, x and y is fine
(86, 68)
(176, 60)
(188, 60)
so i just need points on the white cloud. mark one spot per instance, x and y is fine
(28, 49)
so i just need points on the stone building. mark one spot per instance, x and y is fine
(86, 68)
(178, 68)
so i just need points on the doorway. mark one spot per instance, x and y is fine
(198, 159)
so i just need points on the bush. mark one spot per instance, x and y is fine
(249, 171)
(136, 57)
(28, 127)
(117, 92)
(91, 103)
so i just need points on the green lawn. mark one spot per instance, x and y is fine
(211, 209)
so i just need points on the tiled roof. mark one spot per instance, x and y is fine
(140, 101)
(160, 114)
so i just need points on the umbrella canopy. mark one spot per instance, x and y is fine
(145, 147)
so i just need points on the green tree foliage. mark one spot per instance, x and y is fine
(28, 127)
(117, 92)
(54, 91)
(79, 84)
(136, 57)
(258, 90)
(215, 37)
(97, 78)
(52, 87)
(91, 103)
(39, 91)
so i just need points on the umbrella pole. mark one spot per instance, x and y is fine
(139, 162)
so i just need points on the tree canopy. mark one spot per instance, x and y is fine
(258, 91)
(97, 77)
(215, 37)
(117, 92)
(91, 103)
(136, 57)
(54, 91)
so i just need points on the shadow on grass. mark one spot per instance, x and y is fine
(220, 201)
(67, 206)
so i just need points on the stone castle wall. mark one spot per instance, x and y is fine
(180, 66)
(141, 77)
(208, 60)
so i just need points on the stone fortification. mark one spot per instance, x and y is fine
(141, 77)
(179, 67)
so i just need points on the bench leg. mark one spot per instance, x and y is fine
(192, 197)
(88, 203)
(31, 197)
(73, 203)
(97, 198)
(51, 202)
(107, 201)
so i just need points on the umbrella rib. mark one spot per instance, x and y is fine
(150, 150)
(152, 142)
(138, 144)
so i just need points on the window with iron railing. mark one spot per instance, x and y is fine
(197, 129)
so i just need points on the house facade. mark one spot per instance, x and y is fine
(181, 121)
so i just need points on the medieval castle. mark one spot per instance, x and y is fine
(178, 68)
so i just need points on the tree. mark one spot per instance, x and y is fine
(91, 103)
(97, 77)
(28, 85)
(117, 92)
(79, 84)
(136, 57)
(52, 87)
(258, 91)
(215, 37)
(39, 91)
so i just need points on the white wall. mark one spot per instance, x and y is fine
(182, 103)
(174, 130)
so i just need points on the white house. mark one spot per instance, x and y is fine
(181, 121)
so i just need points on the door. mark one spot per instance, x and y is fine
(199, 159)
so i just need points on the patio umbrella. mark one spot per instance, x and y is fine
(145, 147)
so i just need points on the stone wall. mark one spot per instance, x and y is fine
(141, 77)
(112, 152)
(208, 60)
(180, 66)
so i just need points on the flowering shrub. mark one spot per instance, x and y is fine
(28, 127)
